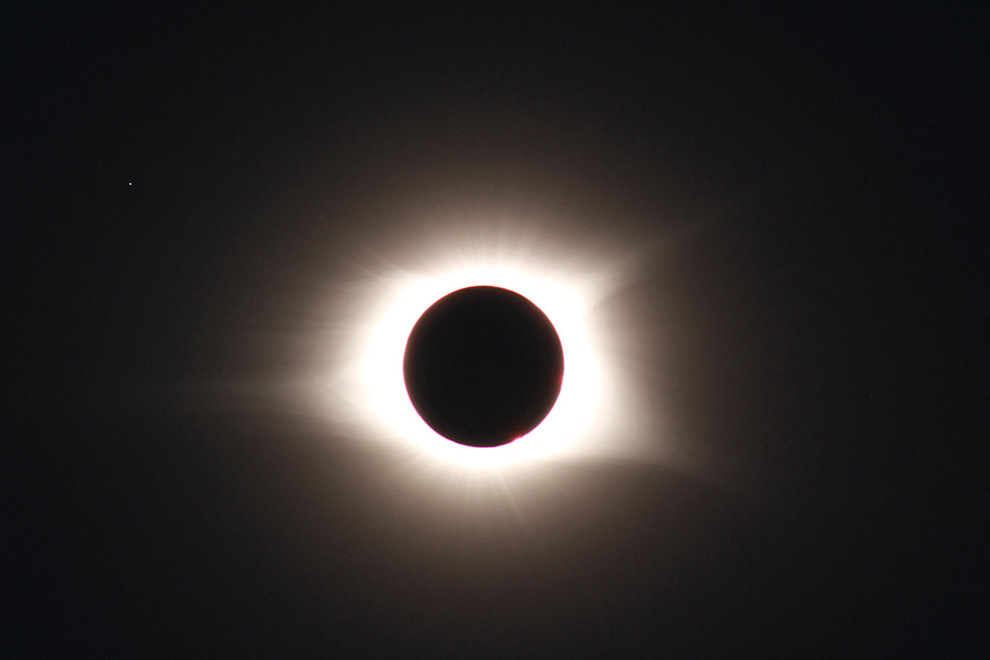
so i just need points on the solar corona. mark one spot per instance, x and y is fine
(475, 353)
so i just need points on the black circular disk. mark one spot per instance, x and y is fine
(483, 366)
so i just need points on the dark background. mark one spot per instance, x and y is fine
(822, 309)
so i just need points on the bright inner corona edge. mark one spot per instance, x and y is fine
(586, 393)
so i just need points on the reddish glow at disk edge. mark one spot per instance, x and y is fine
(595, 413)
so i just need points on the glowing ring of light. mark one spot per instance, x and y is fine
(580, 392)
(572, 278)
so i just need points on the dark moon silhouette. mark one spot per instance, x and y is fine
(483, 366)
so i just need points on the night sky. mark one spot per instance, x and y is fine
(196, 199)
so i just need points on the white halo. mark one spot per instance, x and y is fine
(594, 411)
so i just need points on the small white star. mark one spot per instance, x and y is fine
(129, 183)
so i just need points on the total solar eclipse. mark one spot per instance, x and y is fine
(483, 366)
